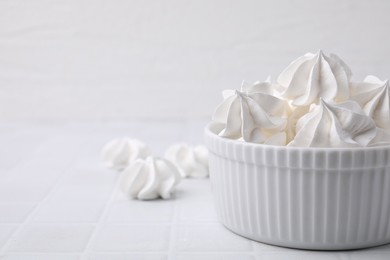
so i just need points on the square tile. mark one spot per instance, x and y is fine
(82, 193)
(209, 237)
(197, 187)
(197, 211)
(52, 238)
(91, 175)
(32, 179)
(11, 192)
(132, 238)
(5, 233)
(144, 211)
(193, 190)
(125, 256)
(215, 256)
(370, 256)
(28, 256)
(301, 255)
(69, 212)
(15, 212)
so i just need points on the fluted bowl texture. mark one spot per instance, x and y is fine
(308, 198)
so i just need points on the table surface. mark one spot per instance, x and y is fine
(58, 202)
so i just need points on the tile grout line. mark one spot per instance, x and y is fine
(103, 216)
(52, 190)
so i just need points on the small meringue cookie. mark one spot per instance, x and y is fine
(118, 153)
(202, 154)
(191, 161)
(150, 178)
(369, 83)
(339, 125)
(374, 97)
(313, 76)
(254, 115)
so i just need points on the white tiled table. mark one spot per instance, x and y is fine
(58, 202)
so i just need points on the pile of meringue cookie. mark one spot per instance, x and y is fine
(313, 103)
(147, 177)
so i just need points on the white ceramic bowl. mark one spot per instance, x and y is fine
(309, 198)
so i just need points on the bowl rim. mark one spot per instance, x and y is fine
(209, 132)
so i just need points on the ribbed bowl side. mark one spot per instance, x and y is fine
(325, 199)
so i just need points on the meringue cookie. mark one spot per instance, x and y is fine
(191, 161)
(374, 97)
(369, 83)
(382, 138)
(118, 153)
(253, 115)
(313, 76)
(342, 125)
(150, 179)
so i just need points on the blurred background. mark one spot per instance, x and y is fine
(124, 60)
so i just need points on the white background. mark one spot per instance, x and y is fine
(119, 59)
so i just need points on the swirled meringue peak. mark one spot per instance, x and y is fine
(338, 125)
(149, 179)
(374, 97)
(313, 76)
(118, 153)
(254, 116)
(192, 161)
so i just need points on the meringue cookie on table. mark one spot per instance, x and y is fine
(313, 76)
(341, 125)
(118, 153)
(191, 161)
(202, 154)
(254, 115)
(150, 178)
(374, 97)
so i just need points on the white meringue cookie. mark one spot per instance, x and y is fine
(255, 115)
(201, 154)
(374, 97)
(382, 138)
(313, 76)
(342, 125)
(369, 83)
(191, 161)
(150, 179)
(118, 153)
